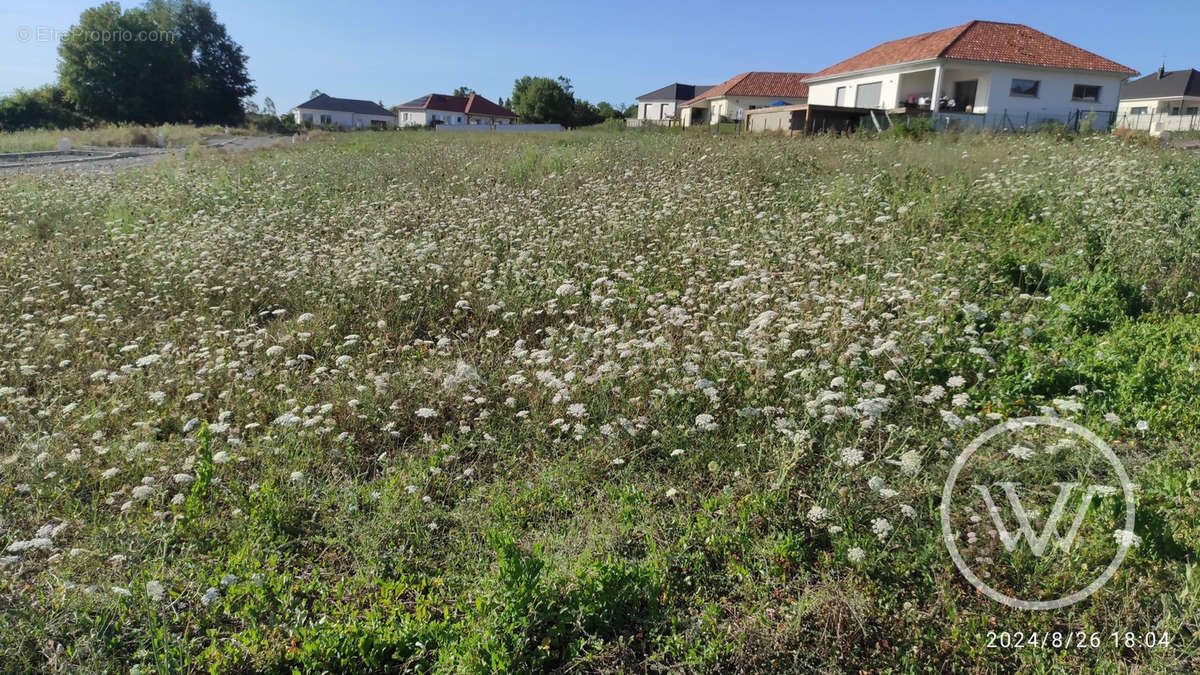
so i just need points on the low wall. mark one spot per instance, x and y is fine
(499, 127)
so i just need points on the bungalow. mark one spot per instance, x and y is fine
(661, 106)
(347, 113)
(453, 110)
(1162, 101)
(1003, 69)
(729, 101)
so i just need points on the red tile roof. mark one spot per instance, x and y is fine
(780, 85)
(980, 41)
(472, 105)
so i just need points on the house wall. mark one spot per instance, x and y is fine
(425, 117)
(772, 119)
(735, 107)
(825, 93)
(1187, 105)
(657, 110)
(1054, 92)
(410, 118)
(342, 119)
(992, 96)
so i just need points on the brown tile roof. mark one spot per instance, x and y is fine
(980, 41)
(782, 85)
(472, 105)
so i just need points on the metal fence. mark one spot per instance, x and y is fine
(1157, 123)
(1078, 120)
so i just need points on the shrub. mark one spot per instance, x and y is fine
(42, 108)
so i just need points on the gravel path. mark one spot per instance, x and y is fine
(114, 159)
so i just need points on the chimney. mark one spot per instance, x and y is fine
(1162, 70)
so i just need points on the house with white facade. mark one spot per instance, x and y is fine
(347, 113)
(439, 109)
(981, 67)
(729, 101)
(661, 106)
(1166, 100)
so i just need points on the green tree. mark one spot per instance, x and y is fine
(315, 93)
(122, 80)
(168, 61)
(269, 107)
(42, 108)
(218, 80)
(463, 91)
(631, 110)
(608, 112)
(584, 114)
(542, 100)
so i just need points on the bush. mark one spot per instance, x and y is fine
(913, 128)
(43, 108)
(283, 124)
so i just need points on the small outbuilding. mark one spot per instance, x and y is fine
(812, 119)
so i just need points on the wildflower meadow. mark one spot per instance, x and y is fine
(588, 402)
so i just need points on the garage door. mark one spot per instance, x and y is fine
(868, 95)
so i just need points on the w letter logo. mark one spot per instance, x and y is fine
(1037, 543)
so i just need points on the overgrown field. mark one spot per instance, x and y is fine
(583, 402)
(109, 136)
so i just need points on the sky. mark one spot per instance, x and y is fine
(612, 51)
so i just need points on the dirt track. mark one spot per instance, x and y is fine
(113, 159)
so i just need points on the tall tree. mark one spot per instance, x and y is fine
(122, 80)
(269, 107)
(218, 80)
(170, 61)
(315, 93)
(542, 100)
(463, 91)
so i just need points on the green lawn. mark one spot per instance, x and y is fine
(582, 402)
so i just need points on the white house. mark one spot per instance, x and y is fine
(1001, 69)
(661, 106)
(347, 113)
(729, 101)
(1162, 101)
(453, 110)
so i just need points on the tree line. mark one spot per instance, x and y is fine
(165, 61)
(542, 100)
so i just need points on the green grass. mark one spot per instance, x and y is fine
(109, 136)
(442, 402)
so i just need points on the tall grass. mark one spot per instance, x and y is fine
(174, 135)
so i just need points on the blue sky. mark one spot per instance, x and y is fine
(613, 51)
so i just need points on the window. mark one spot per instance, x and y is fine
(1139, 111)
(1024, 88)
(1087, 93)
(1194, 110)
(458, 119)
(868, 95)
(326, 119)
(839, 98)
(646, 115)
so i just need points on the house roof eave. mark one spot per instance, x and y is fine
(876, 69)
